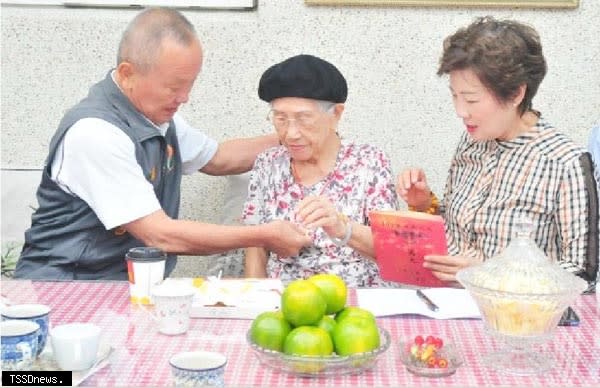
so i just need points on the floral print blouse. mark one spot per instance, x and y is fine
(360, 182)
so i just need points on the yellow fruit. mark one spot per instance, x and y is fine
(302, 303)
(269, 330)
(355, 335)
(356, 312)
(197, 282)
(308, 341)
(140, 300)
(334, 290)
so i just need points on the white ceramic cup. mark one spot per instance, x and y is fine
(198, 369)
(75, 345)
(172, 305)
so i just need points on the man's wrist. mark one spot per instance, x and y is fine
(262, 234)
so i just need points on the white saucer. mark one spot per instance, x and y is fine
(46, 361)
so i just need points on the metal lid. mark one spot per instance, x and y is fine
(146, 254)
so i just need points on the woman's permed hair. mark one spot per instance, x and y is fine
(504, 54)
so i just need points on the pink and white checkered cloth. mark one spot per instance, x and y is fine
(142, 354)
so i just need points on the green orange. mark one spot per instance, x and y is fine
(355, 312)
(355, 335)
(326, 323)
(269, 330)
(334, 290)
(302, 303)
(308, 341)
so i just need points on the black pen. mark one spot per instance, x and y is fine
(432, 306)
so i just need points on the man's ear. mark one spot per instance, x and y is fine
(125, 74)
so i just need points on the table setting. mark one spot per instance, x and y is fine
(141, 354)
(142, 334)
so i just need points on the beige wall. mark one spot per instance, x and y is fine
(50, 56)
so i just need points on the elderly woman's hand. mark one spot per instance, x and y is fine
(412, 187)
(446, 267)
(314, 212)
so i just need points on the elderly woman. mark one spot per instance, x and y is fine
(315, 179)
(510, 162)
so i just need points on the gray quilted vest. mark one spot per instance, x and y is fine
(67, 240)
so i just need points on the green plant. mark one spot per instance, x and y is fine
(10, 254)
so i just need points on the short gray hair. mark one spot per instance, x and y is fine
(324, 106)
(141, 41)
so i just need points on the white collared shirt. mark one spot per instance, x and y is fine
(96, 162)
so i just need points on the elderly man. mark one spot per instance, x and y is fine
(113, 173)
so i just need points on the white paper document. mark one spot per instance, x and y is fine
(452, 302)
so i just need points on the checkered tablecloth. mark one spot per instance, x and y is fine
(141, 357)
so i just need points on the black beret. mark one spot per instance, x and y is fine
(303, 76)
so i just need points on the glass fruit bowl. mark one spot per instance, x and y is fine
(448, 352)
(521, 295)
(313, 366)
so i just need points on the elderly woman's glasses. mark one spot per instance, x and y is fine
(302, 119)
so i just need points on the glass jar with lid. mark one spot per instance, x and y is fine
(521, 294)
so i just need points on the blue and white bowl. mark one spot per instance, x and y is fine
(37, 313)
(198, 369)
(19, 344)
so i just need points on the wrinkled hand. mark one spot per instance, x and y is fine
(412, 187)
(287, 238)
(446, 267)
(314, 212)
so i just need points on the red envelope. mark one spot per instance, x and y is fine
(401, 240)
